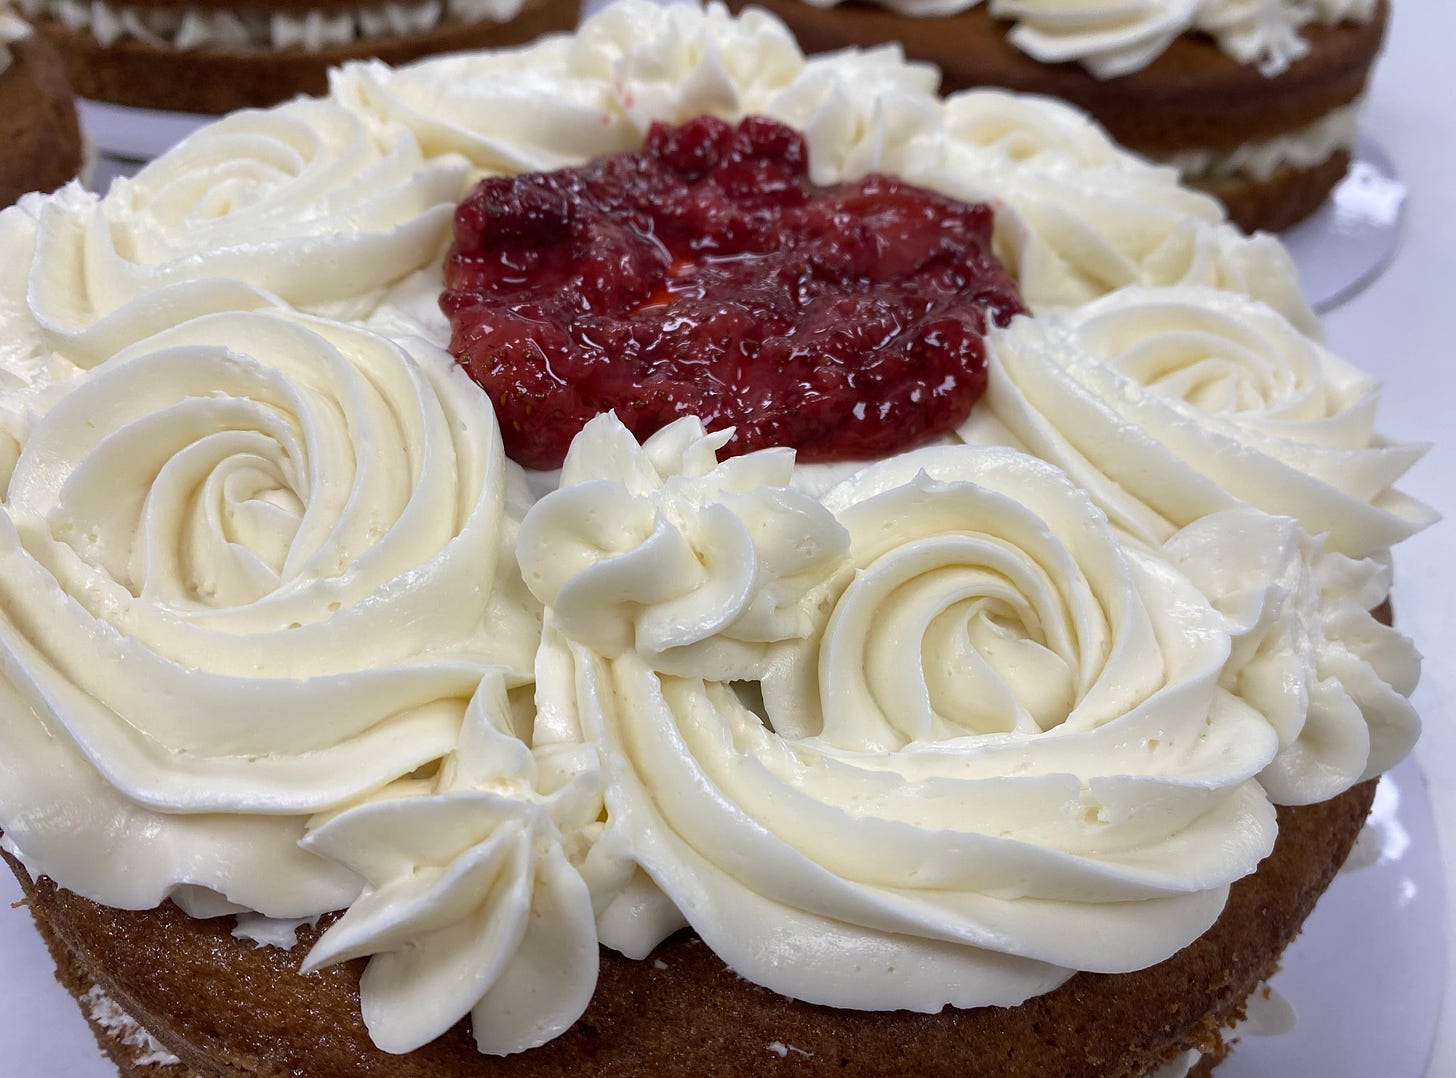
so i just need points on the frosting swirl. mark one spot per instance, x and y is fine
(1070, 233)
(942, 802)
(253, 567)
(470, 903)
(1170, 404)
(308, 203)
(659, 548)
(1307, 653)
(1109, 38)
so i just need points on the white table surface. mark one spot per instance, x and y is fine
(1402, 328)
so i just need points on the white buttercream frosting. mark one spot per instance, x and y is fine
(1302, 148)
(658, 548)
(1171, 404)
(1111, 38)
(997, 681)
(308, 204)
(470, 903)
(256, 30)
(1307, 652)
(254, 567)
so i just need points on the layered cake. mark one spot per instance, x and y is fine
(1257, 102)
(212, 56)
(1022, 744)
(38, 125)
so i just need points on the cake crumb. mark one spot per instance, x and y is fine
(782, 1050)
(658, 963)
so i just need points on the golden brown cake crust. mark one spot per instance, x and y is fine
(1193, 96)
(227, 1007)
(1284, 199)
(38, 126)
(214, 81)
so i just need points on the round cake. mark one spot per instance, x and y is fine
(1255, 103)
(38, 124)
(1021, 746)
(214, 57)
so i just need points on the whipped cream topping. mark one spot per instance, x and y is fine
(470, 904)
(257, 30)
(265, 645)
(1304, 148)
(1171, 404)
(1111, 38)
(254, 567)
(940, 803)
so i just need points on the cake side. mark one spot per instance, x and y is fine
(238, 68)
(229, 1007)
(38, 124)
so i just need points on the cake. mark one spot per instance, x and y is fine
(214, 56)
(38, 125)
(1257, 103)
(1033, 743)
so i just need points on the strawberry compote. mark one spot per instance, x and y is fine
(706, 275)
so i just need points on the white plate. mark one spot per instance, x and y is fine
(139, 134)
(1364, 979)
(1347, 243)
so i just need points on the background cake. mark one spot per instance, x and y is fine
(213, 56)
(38, 124)
(1256, 103)
(1205, 654)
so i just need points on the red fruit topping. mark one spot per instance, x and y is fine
(705, 275)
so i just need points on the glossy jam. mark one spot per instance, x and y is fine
(706, 275)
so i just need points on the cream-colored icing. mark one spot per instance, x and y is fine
(257, 30)
(1105, 680)
(106, 1013)
(1084, 680)
(1171, 404)
(1307, 653)
(308, 205)
(1304, 148)
(1111, 38)
(470, 903)
(254, 567)
(661, 550)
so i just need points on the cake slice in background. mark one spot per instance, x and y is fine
(207, 56)
(1256, 103)
(38, 126)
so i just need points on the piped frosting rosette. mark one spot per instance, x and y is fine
(309, 204)
(1308, 652)
(1200, 413)
(1078, 218)
(1170, 404)
(999, 753)
(251, 568)
(471, 903)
